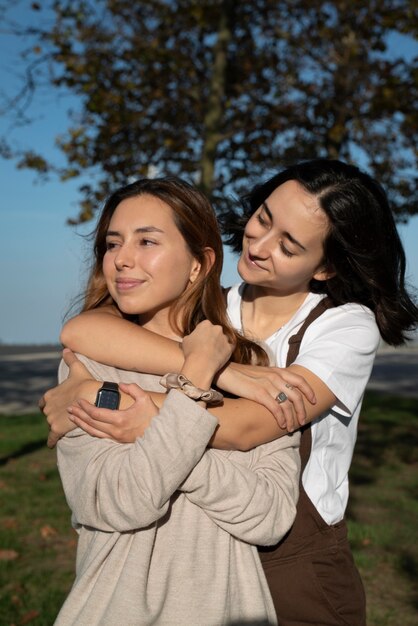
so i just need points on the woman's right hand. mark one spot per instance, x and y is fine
(263, 384)
(55, 401)
(123, 425)
(206, 350)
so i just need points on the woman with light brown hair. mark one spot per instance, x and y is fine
(167, 528)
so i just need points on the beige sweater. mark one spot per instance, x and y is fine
(166, 527)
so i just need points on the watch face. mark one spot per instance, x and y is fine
(108, 399)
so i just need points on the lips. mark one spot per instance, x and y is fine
(126, 284)
(251, 262)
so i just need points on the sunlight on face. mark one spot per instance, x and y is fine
(283, 242)
(147, 265)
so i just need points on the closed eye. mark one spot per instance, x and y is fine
(285, 251)
(261, 220)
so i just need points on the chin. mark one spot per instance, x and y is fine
(127, 309)
(241, 275)
(241, 269)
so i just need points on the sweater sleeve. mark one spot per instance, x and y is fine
(251, 495)
(121, 487)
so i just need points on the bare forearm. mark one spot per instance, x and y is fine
(244, 424)
(135, 348)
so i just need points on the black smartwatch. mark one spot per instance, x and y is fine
(108, 396)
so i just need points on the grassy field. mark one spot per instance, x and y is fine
(37, 545)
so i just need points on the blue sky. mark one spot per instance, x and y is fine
(42, 260)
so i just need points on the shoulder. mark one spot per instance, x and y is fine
(339, 347)
(233, 294)
(343, 333)
(225, 292)
(351, 318)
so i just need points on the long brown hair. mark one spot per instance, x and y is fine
(196, 221)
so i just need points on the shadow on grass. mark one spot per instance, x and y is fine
(387, 429)
(408, 568)
(28, 448)
(21, 435)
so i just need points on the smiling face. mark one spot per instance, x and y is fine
(147, 264)
(283, 242)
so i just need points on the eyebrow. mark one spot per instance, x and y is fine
(143, 229)
(285, 234)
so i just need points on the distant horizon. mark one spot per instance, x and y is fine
(20, 348)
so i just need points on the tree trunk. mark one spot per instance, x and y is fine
(214, 114)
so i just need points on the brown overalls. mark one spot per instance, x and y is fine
(311, 572)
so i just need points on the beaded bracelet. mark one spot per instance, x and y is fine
(179, 381)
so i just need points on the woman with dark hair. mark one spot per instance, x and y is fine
(323, 274)
(167, 527)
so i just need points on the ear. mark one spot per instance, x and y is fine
(324, 273)
(196, 266)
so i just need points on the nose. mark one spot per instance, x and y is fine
(124, 257)
(260, 246)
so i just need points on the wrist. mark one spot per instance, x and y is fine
(198, 372)
(88, 389)
(183, 384)
(224, 374)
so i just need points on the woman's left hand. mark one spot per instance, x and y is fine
(123, 426)
(263, 385)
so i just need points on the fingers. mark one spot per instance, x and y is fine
(82, 420)
(52, 440)
(298, 382)
(133, 390)
(268, 399)
(289, 411)
(69, 356)
(92, 420)
(297, 407)
(123, 426)
(288, 418)
(107, 423)
(41, 404)
(88, 412)
(274, 408)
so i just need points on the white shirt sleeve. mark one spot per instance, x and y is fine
(339, 347)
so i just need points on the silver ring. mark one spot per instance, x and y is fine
(289, 386)
(281, 397)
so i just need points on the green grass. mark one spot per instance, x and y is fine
(383, 510)
(37, 546)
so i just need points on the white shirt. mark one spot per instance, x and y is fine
(339, 347)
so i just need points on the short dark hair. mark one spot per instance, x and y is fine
(362, 246)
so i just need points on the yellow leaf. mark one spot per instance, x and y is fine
(8, 555)
(47, 531)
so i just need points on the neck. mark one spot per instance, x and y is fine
(159, 323)
(264, 312)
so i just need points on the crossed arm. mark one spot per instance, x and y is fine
(252, 499)
(111, 487)
(244, 422)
